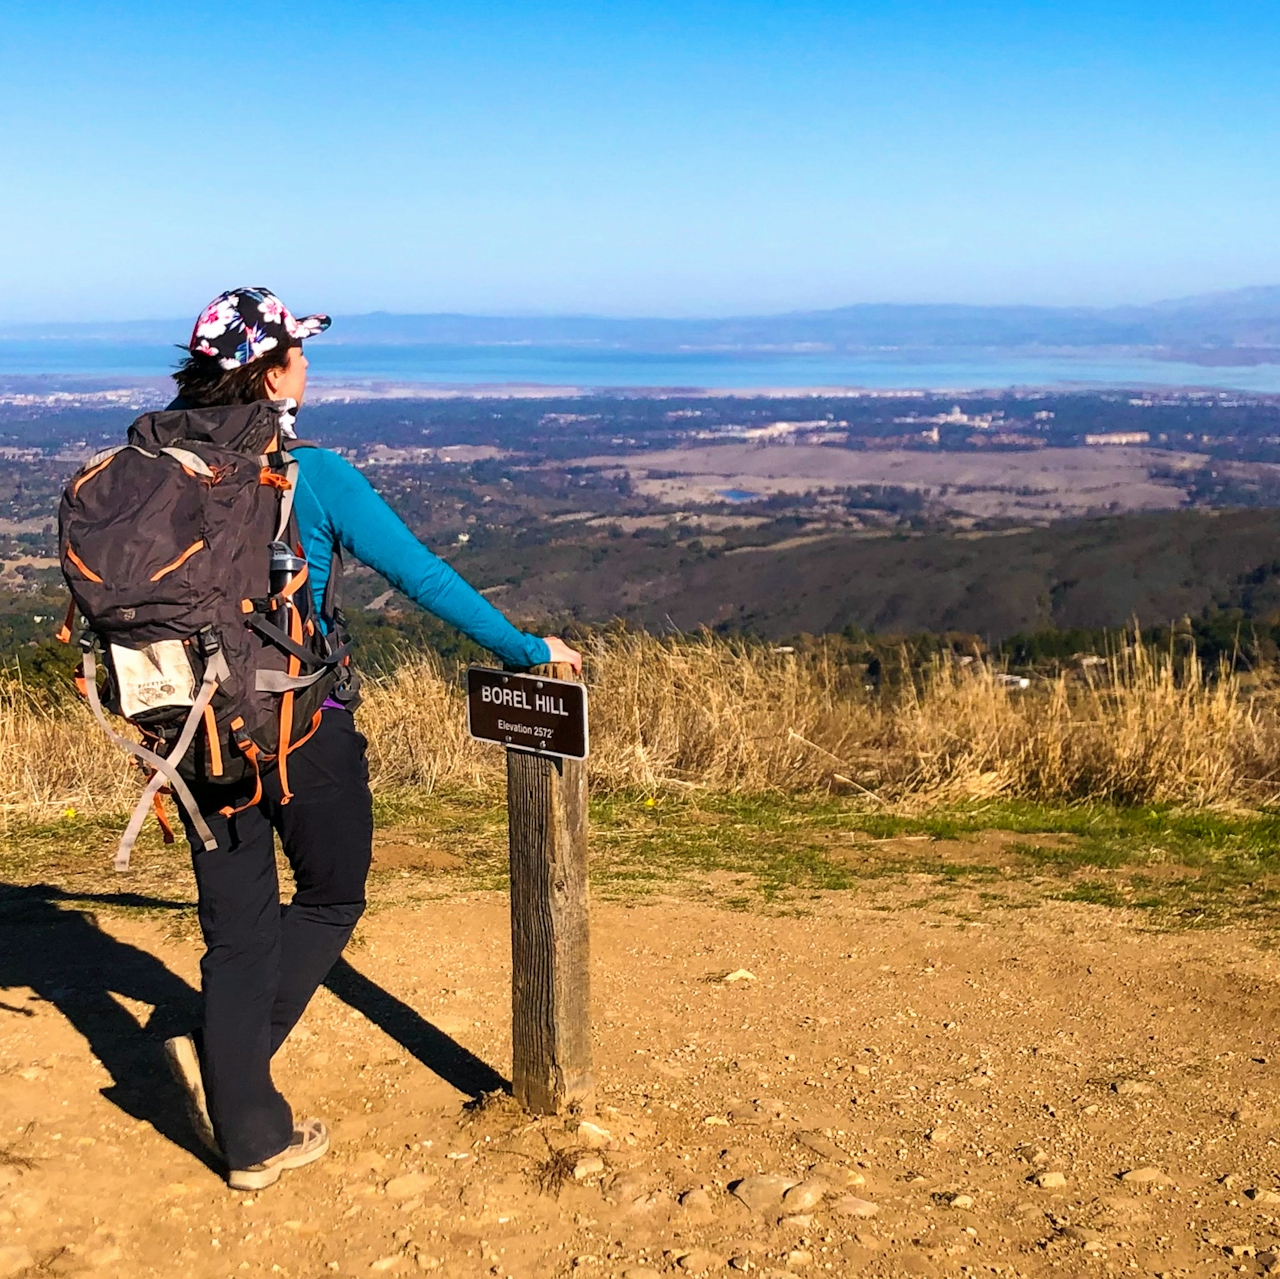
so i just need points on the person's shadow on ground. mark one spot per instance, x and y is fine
(50, 943)
(68, 961)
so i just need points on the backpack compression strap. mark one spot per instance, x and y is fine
(215, 672)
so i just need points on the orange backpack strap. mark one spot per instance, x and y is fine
(157, 803)
(215, 746)
(250, 752)
(286, 706)
(63, 633)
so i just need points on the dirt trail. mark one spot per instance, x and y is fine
(928, 1071)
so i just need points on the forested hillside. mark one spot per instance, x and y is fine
(1088, 573)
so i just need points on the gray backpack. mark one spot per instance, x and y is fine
(181, 551)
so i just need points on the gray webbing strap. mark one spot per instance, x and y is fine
(286, 498)
(279, 682)
(192, 461)
(215, 671)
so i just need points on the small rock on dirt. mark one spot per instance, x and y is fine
(696, 1200)
(587, 1166)
(869, 1242)
(1050, 1180)
(1081, 1234)
(1132, 1088)
(797, 1221)
(805, 1195)
(822, 1145)
(412, 1183)
(940, 1136)
(14, 1259)
(852, 1206)
(738, 974)
(1260, 1196)
(699, 1262)
(628, 1186)
(835, 1174)
(961, 1201)
(593, 1135)
(1144, 1176)
(762, 1190)
(384, 1264)
(798, 1258)
(641, 1272)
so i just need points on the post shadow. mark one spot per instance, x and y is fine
(437, 1051)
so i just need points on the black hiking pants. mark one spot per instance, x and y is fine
(263, 961)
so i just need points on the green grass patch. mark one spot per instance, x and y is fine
(1179, 867)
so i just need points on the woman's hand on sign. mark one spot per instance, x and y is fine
(561, 652)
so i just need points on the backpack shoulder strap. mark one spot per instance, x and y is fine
(286, 497)
(287, 446)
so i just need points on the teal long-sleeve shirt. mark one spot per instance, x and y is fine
(337, 506)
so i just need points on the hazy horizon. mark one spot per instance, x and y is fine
(534, 313)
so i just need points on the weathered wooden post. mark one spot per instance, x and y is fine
(547, 824)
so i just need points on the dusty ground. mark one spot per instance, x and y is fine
(926, 1056)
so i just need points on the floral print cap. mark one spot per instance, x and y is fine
(240, 325)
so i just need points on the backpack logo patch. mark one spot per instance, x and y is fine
(156, 676)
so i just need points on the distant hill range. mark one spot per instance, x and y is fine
(1242, 326)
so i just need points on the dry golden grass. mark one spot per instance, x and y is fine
(719, 715)
(1140, 730)
(55, 757)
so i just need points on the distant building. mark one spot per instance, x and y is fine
(1119, 437)
(958, 417)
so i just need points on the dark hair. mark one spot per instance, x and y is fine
(204, 383)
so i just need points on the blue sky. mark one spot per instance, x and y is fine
(633, 158)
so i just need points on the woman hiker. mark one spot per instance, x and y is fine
(263, 962)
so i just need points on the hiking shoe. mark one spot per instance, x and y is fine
(184, 1062)
(310, 1141)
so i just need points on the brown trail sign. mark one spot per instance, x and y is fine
(532, 711)
(542, 720)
